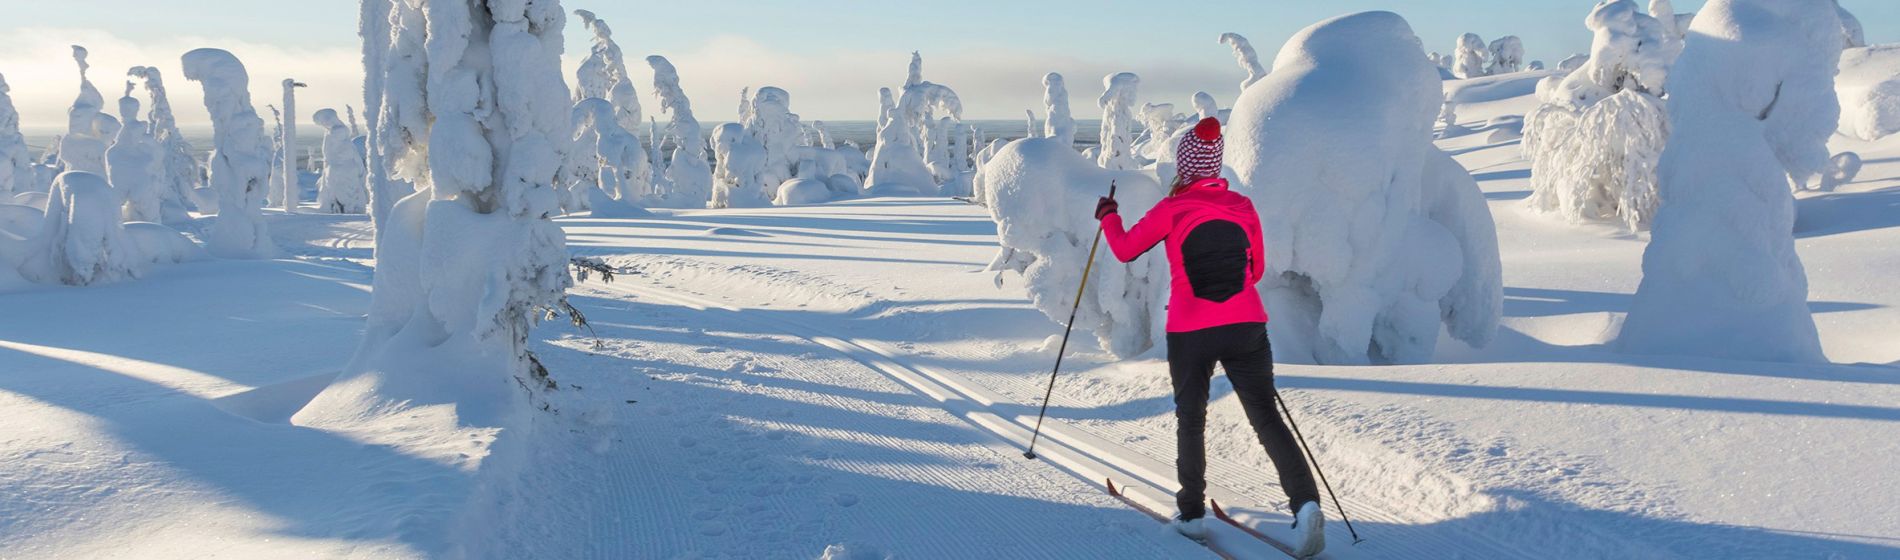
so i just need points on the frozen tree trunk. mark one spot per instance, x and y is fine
(16, 161)
(292, 187)
(133, 165)
(1055, 96)
(1118, 121)
(240, 155)
(1246, 57)
(687, 172)
(1721, 276)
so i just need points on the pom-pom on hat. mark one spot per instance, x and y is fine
(1199, 155)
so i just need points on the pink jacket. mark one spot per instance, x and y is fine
(1215, 255)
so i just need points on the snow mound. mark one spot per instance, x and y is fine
(1869, 91)
(32, 199)
(20, 220)
(732, 232)
(81, 241)
(1720, 275)
(803, 191)
(1373, 235)
(1043, 195)
(160, 244)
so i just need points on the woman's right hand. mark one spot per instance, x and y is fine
(1106, 206)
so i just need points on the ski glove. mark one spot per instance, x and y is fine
(1105, 206)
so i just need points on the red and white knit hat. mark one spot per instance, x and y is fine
(1198, 156)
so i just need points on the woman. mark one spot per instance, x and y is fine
(1215, 316)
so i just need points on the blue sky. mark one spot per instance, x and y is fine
(831, 54)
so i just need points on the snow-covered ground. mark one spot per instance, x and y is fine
(772, 382)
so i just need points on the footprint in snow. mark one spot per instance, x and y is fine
(846, 499)
(712, 528)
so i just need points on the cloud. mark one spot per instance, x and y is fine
(38, 65)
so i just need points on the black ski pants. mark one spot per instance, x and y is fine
(1242, 349)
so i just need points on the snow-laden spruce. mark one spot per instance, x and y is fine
(341, 189)
(291, 191)
(772, 124)
(81, 241)
(240, 155)
(1374, 236)
(897, 162)
(1469, 59)
(1507, 55)
(1720, 275)
(608, 161)
(688, 176)
(466, 265)
(1042, 195)
(603, 75)
(738, 162)
(1060, 123)
(83, 148)
(1118, 122)
(1595, 139)
(135, 165)
(1246, 57)
(16, 160)
(1869, 90)
(182, 172)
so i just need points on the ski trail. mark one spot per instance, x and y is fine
(1086, 456)
(756, 443)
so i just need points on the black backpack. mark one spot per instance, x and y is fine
(1214, 255)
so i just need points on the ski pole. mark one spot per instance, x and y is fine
(1060, 350)
(1315, 461)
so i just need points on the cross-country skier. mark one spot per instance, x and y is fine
(1215, 316)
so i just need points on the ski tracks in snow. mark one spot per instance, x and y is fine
(698, 432)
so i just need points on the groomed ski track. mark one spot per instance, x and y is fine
(1084, 455)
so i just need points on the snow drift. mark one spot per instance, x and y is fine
(1869, 91)
(1373, 236)
(1720, 275)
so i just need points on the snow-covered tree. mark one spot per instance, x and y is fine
(341, 189)
(687, 171)
(1060, 124)
(1595, 140)
(739, 159)
(603, 74)
(1118, 121)
(1041, 194)
(1469, 59)
(465, 267)
(292, 191)
(1205, 107)
(897, 162)
(182, 172)
(83, 148)
(1246, 57)
(16, 161)
(1371, 249)
(1158, 124)
(81, 241)
(135, 164)
(922, 108)
(274, 197)
(775, 127)
(613, 157)
(1751, 105)
(1507, 55)
(240, 155)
